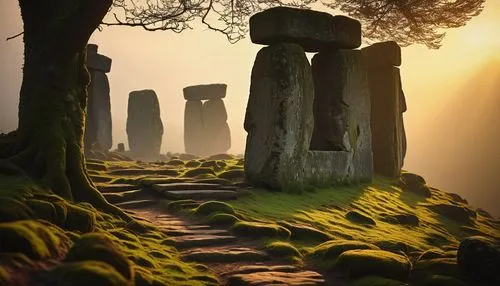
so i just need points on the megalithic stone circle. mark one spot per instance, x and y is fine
(98, 127)
(307, 125)
(144, 125)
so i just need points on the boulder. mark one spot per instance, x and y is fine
(383, 54)
(279, 116)
(144, 126)
(194, 142)
(313, 30)
(205, 91)
(479, 258)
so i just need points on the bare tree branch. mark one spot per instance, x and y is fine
(15, 36)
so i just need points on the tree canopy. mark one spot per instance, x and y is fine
(404, 21)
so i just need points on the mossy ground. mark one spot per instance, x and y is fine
(62, 242)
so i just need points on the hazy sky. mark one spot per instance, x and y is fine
(453, 94)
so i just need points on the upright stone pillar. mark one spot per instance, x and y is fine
(98, 127)
(144, 126)
(388, 104)
(206, 131)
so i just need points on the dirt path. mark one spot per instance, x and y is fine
(235, 260)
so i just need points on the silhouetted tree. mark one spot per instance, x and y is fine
(405, 21)
(47, 146)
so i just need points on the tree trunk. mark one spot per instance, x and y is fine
(48, 145)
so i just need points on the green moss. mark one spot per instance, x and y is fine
(198, 172)
(282, 249)
(35, 239)
(254, 229)
(302, 232)
(80, 219)
(357, 217)
(330, 250)
(214, 207)
(176, 162)
(193, 164)
(180, 204)
(376, 281)
(99, 247)
(222, 219)
(125, 235)
(367, 262)
(84, 274)
(232, 174)
(436, 266)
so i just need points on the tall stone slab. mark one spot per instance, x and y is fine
(388, 104)
(98, 128)
(279, 117)
(341, 118)
(216, 129)
(193, 127)
(144, 125)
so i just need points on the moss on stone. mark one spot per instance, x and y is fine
(198, 172)
(368, 262)
(211, 207)
(330, 250)
(254, 229)
(376, 281)
(80, 219)
(207, 279)
(222, 219)
(436, 266)
(180, 204)
(306, 233)
(282, 249)
(99, 247)
(85, 273)
(35, 239)
(232, 174)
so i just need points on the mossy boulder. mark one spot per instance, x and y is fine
(457, 213)
(403, 219)
(85, 273)
(303, 232)
(282, 249)
(415, 184)
(479, 259)
(367, 262)
(330, 250)
(359, 218)
(36, 239)
(176, 162)
(181, 204)
(211, 207)
(376, 281)
(232, 174)
(80, 219)
(99, 247)
(198, 172)
(222, 219)
(192, 164)
(254, 229)
(436, 266)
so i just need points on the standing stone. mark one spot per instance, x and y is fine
(144, 126)
(388, 104)
(313, 30)
(194, 142)
(205, 91)
(341, 117)
(98, 127)
(216, 127)
(279, 117)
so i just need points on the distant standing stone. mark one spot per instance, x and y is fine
(194, 142)
(313, 30)
(144, 126)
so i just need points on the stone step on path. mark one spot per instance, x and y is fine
(120, 197)
(218, 195)
(111, 188)
(137, 204)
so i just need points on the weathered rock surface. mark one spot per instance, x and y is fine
(313, 30)
(382, 54)
(98, 127)
(205, 91)
(278, 118)
(217, 136)
(479, 258)
(144, 126)
(193, 127)
(341, 117)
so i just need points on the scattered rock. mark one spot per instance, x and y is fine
(193, 164)
(254, 229)
(176, 162)
(365, 262)
(357, 217)
(457, 198)
(478, 258)
(232, 174)
(302, 232)
(282, 249)
(199, 171)
(459, 214)
(404, 219)
(330, 250)
(225, 255)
